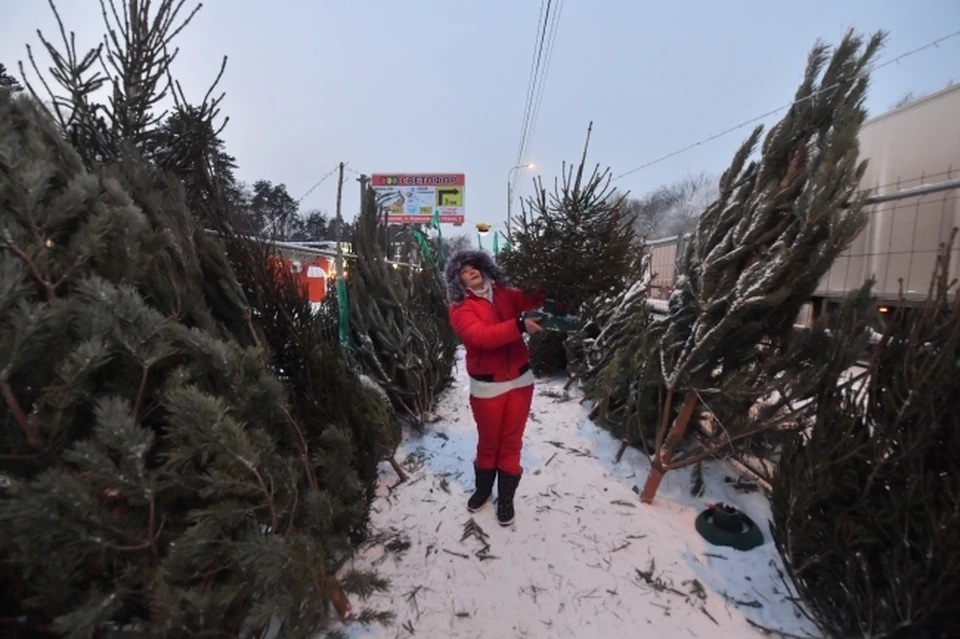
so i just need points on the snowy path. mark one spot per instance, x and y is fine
(578, 560)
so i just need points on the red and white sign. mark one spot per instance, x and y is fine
(415, 198)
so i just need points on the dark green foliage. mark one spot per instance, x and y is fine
(866, 507)
(428, 301)
(180, 452)
(398, 323)
(188, 145)
(308, 359)
(162, 468)
(574, 245)
(607, 358)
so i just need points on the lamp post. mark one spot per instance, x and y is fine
(529, 165)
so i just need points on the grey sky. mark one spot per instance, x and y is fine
(431, 85)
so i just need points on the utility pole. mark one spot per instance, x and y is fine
(509, 205)
(338, 228)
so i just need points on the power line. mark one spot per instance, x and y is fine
(543, 82)
(319, 182)
(536, 77)
(781, 108)
(534, 74)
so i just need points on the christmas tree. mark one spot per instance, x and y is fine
(398, 322)
(607, 358)
(573, 245)
(756, 257)
(181, 460)
(866, 503)
(727, 354)
(428, 302)
(157, 477)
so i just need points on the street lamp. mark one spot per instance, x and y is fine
(528, 165)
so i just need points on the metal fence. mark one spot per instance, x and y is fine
(904, 235)
(663, 258)
(906, 228)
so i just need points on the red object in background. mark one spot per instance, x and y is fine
(309, 276)
(315, 275)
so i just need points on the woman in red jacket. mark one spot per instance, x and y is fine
(487, 315)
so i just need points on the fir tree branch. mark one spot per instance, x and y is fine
(304, 451)
(48, 289)
(225, 219)
(151, 522)
(77, 263)
(149, 543)
(268, 493)
(144, 371)
(30, 430)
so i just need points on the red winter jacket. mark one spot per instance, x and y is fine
(491, 333)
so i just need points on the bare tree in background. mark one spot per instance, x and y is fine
(911, 96)
(673, 209)
(457, 243)
(133, 62)
(7, 80)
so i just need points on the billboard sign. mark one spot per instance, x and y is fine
(414, 198)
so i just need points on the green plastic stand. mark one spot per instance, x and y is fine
(723, 525)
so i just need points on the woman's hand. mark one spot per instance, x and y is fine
(531, 326)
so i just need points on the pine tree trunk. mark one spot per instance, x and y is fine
(664, 455)
(397, 468)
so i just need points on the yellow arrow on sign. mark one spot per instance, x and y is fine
(450, 196)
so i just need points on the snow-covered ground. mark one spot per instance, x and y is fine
(584, 559)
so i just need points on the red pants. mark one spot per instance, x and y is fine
(501, 421)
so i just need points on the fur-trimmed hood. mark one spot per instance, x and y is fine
(480, 260)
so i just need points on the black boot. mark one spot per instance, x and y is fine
(484, 487)
(506, 489)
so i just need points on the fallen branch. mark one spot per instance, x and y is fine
(709, 616)
(412, 600)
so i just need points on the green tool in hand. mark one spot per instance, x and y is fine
(553, 317)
